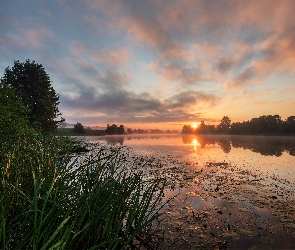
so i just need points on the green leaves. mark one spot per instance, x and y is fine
(32, 84)
(51, 199)
(13, 114)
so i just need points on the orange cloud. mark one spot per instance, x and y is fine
(113, 58)
(144, 31)
(279, 56)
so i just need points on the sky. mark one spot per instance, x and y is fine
(157, 63)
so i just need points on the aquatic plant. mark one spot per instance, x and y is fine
(51, 198)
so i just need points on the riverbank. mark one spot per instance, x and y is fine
(53, 198)
(70, 132)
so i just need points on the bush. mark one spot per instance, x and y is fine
(79, 128)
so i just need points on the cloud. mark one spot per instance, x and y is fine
(176, 63)
(31, 38)
(188, 99)
(241, 27)
(131, 16)
(193, 42)
(241, 80)
(145, 32)
(278, 55)
(237, 54)
(197, 41)
(104, 56)
(128, 106)
(175, 71)
(191, 49)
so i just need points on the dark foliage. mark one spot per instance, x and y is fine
(224, 125)
(115, 130)
(32, 84)
(13, 114)
(79, 128)
(263, 125)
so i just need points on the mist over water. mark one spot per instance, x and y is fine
(267, 153)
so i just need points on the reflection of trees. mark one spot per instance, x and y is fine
(155, 137)
(115, 140)
(265, 145)
(225, 144)
(203, 140)
(291, 151)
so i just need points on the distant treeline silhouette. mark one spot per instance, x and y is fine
(115, 130)
(263, 125)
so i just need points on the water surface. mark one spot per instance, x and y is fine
(231, 192)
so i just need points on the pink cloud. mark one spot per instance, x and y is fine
(279, 56)
(110, 58)
(126, 16)
(176, 50)
(185, 65)
(144, 31)
(114, 58)
(220, 15)
(11, 40)
(33, 38)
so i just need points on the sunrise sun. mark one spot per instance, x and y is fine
(195, 125)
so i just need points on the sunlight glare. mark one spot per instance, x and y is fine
(195, 125)
(195, 142)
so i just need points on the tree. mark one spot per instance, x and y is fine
(33, 85)
(225, 125)
(289, 125)
(205, 129)
(13, 114)
(274, 124)
(112, 130)
(79, 128)
(121, 130)
(187, 129)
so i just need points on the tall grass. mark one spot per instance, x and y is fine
(51, 199)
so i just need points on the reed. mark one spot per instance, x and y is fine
(53, 199)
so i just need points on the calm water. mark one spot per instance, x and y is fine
(271, 155)
(232, 192)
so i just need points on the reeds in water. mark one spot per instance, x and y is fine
(51, 199)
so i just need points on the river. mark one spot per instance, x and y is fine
(230, 192)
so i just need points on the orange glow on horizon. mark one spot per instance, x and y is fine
(195, 125)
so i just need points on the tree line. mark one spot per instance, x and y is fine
(263, 125)
(114, 129)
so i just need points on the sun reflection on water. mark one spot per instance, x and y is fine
(195, 142)
(225, 189)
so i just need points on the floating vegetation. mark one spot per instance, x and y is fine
(219, 205)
